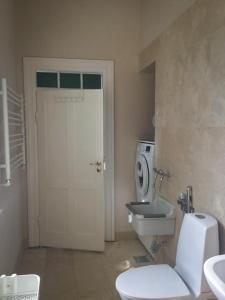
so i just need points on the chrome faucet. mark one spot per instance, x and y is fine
(185, 200)
(156, 176)
(162, 173)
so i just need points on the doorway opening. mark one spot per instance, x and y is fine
(68, 75)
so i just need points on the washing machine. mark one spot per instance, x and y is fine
(144, 173)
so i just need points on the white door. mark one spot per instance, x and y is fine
(70, 166)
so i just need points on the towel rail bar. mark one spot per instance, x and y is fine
(13, 97)
(20, 159)
(16, 140)
(13, 114)
(14, 123)
(17, 156)
(14, 102)
(16, 146)
(9, 89)
(15, 119)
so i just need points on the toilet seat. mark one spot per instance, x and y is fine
(151, 282)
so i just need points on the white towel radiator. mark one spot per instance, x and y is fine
(13, 133)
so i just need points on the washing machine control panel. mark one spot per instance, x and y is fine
(144, 148)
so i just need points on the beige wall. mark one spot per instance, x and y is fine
(100, 29)
(7, 37)
(12, 199)
(157, 15)
(190, 109)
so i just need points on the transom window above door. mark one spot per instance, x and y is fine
(68, 80)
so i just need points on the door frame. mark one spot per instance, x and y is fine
(106, 67)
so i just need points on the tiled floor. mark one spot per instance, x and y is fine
(79, 275)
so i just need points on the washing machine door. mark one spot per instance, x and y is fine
(142, 177)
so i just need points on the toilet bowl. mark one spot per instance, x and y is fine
(197, 242)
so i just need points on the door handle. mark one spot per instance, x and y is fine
(97, 163)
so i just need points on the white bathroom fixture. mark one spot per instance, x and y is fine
(197, 242)
(23, 287)
(144, 174)
(13, 138)
(214, 269)
(154, 218)
(158, 218)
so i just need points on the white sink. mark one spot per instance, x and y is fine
(155, 218)
(214, 269)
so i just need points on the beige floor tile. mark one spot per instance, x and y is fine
(61, 296)
(91, 280)
(58, 279)
(59, 256)
(97, 295)
(80, 275)
(33, 261)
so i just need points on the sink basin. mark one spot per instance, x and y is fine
(214, 269)
(154, 218)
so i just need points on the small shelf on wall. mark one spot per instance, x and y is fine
(13, 134)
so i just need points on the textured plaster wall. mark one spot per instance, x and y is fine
(12, 199)
(157, 15)
(190, 109)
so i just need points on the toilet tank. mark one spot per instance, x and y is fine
(197, 242)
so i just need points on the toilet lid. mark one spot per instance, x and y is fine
(151, 282)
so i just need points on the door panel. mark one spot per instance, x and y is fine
(70, 137)
(54, 129)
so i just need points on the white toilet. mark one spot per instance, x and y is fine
(198, 241)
